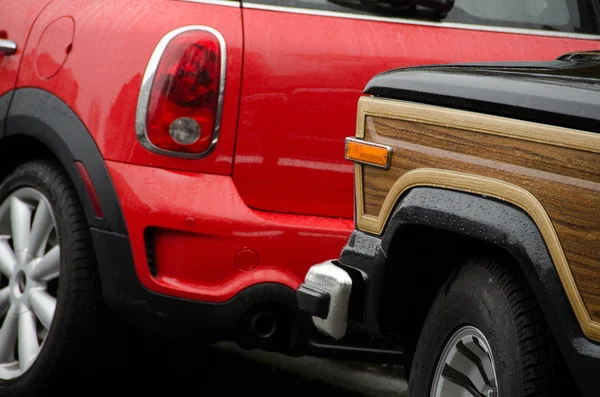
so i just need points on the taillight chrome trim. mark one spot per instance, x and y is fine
(146, 88)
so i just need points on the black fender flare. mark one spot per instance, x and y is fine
(43, 116)
(4, 104)
(511, 229)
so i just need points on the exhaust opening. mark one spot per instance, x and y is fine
(264, 324)
(269, 327)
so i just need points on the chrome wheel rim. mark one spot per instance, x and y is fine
(466, 367)
(29, 272)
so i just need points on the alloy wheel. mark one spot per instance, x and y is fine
(29, 274)
(466, 367)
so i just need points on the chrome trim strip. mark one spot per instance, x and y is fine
(146, 87)
(363, 142)
(226, 3)
(450, 25)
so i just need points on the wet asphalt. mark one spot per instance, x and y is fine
(226, 370)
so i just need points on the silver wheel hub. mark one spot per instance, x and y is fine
(466, 367)
(29, 272)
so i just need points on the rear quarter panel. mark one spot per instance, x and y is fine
(101, 76)
(550, 172)
(303, 75)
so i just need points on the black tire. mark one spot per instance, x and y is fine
(71, 338)
(497, 302)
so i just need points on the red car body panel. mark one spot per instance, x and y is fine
(15, 22)
(303, 75)
(102, 75)
(275, 196)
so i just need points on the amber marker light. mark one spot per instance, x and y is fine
(369, 153)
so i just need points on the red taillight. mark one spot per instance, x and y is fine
(181, 96)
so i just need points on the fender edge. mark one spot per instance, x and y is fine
(497, 222)
(44, 117)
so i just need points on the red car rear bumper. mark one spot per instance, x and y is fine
(193, 237)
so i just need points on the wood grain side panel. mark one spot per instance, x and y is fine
(563, 176)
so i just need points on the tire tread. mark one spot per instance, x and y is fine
(76, 336)
(542, 369)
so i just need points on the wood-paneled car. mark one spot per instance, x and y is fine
(477, 241)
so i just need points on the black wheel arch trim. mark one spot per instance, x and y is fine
(499, 223)
(45, 117)
(4, 104)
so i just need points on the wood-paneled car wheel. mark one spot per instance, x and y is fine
(484, 336)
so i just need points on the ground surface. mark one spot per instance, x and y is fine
(226, 370)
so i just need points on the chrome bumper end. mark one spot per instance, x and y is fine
(325, 295)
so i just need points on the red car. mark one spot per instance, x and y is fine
(183, 160)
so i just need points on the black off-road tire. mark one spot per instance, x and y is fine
(62, 362)
(495, 300)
